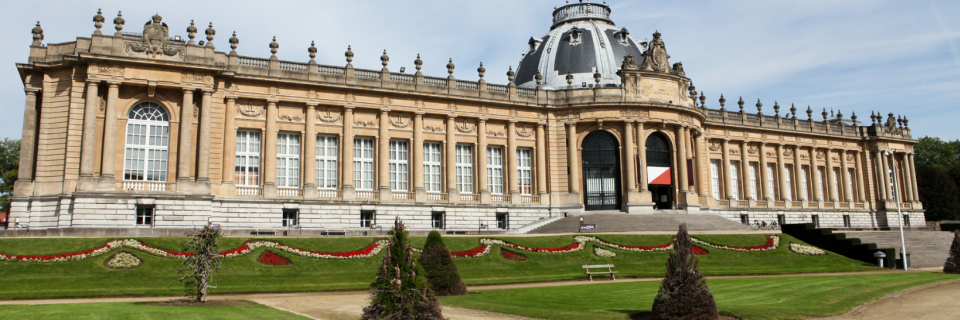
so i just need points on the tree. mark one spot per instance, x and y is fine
(441, 271)
(953, 263)
(399, 290)
(201, 265)
(684, 293)
(9, 168)
(939, 194)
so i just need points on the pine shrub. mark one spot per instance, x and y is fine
(953, 262)
(400, 290)
(441, 271)
(684, 293)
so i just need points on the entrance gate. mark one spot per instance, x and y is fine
(601, 171)
(659, 162)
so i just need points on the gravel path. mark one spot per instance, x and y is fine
(935, 301)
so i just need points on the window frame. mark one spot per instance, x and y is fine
(714, 178)
(432, 167)
(399, 164)
(288, 221)
(495, 170)
(328, 162)
(244, 171)
(288, 160)
(735, 179)
(141, 218)
(754, 187)
(368, 218)
(464, 169)
(436, 223)
(525, 171)
(147, 161)
(503, 221)
(364, 157)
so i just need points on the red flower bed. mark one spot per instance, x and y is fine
(470, 253)
(510, 255)
(698, 250)
(272, 259)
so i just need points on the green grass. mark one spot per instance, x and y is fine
(129, 310)
(797, 297)
(244, 274)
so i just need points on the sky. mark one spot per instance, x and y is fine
(852, 55)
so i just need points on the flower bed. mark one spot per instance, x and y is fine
(773, 243)
(510, 255)
(604, 253)
(806, 250)
(123, 260)
(272, 259)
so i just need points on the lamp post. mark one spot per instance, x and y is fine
(896, 197)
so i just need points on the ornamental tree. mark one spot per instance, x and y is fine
(200, 265)
(441, 271)
(400, 290)
(684, 293)
(953, 262)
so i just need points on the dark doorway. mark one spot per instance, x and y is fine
(659, 168)
(601, 171)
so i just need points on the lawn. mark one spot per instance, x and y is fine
(129, 310)
(798, 297)
(246, 275)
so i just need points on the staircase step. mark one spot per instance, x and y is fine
(926, 248)
(621, 222)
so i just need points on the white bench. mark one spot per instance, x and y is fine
(609, 267)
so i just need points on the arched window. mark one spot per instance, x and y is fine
(147, 145)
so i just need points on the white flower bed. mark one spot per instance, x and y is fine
(806, 250)
(773, 243)
(124, 260)
(604, 253)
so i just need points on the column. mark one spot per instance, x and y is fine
(186, 136)
(913, 175)
(310, 153)
(691, 154)
(229, 146)
(642, 145)
(907, 178)
(797, 171)
(814, 174)
(88, 145)
(847, 193)
(829, 172)
(885, 178)
(541, 170)
(861, 193)
(572, 165)
(764, 188)
(418, 156)
(383, 154)
(203, 163)
(681, 158)
(630, 163)
(745, 186)
(349, 190)
(782, 174)
(511, 171)
(269, 147)
(699, 157)
(108, 180)
(451, 160)
(482, 155)
(727, 182)
(28, 143)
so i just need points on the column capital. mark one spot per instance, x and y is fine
(347, 107)
(31, 90)
(384, 111)
(92, 81)
(114, 83)
(207, 91)
(273, 100)
(232, 97)
(540, 125)
(190, 90)
(312, 105)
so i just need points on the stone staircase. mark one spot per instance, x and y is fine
(620, 222)
(926, 248)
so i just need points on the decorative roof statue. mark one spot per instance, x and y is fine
(418, 64)
(210, 32)
(234, 41)
(98, 22)
(656, 58)
(630, 63)
(481, 71)
(191, 33)
(155, 40)
(37, 34)
(678, 69)
(118, 23)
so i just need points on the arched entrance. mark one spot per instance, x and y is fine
(601, 171)
(659, 171)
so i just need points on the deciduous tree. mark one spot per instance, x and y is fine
(201, 265)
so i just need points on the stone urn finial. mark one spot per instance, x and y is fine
(824, 114)
(384, 59)
(210, 32)
(703, 100)
(741, 103)
(450, 67)
(37, 34)
(191, 32)
(234, 41)
(510, 75)
(418, 64)
(597, 76)
(793, 110)
(776, 108)
(569, 79)
(759, 107)
(118, 23)
(273, 47)
(692, 92)
(349, 55)
(723, 102)
(481, 70)
(98, 22)
(853, 117)
(312, 50)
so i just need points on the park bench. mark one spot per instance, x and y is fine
(609, 267)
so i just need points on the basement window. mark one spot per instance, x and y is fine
(145, 216)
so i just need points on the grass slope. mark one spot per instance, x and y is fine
(129, 310)
(245, 274)
(798, 297)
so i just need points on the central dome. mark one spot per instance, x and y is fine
(582, 41)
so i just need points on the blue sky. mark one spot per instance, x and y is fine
(853, 55)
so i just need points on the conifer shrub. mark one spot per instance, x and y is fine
(953, 262)
(441, 270)
(684, 293)
(400, 290)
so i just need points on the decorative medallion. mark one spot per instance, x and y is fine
(196, 111)
(513, 113)
(328, 116)
(249, 109)
(483, 110)
(849, 157)
(788, 153)
(397, 120)
(418, 104)
(385, 101)
(432, 129)
(753, 150)
(804, 156)
(452, 107)
(568, 115)
(523, 131)
(273, 91)
(364, 123)
(820, 155)
(714, 146)
(770, 154)
(496, 133)
(464, 126)
(734, 151)
(290, 118)
(232, 86)
(312, 94)
(835, 158)
(155, 40)
(101, 102)
(348, 97)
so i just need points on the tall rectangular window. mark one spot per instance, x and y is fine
(735, 179)
(495, 170)
(525, 171)
(399, 166)
(788, 194)
(772, 180)
(145, 152)
(431, 167)
(846, 221)
(363, 164)
(836, 183)
(821, 174)
(804, 178)
(715, 178)
(327, 166)
(288, 160)
(753, 180)
(247, 164)
(850, 186)
(464, 169)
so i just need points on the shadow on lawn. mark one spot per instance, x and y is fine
(647, 315)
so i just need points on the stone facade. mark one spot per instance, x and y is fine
(409, 145)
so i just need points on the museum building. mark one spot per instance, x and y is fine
(151, 130)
